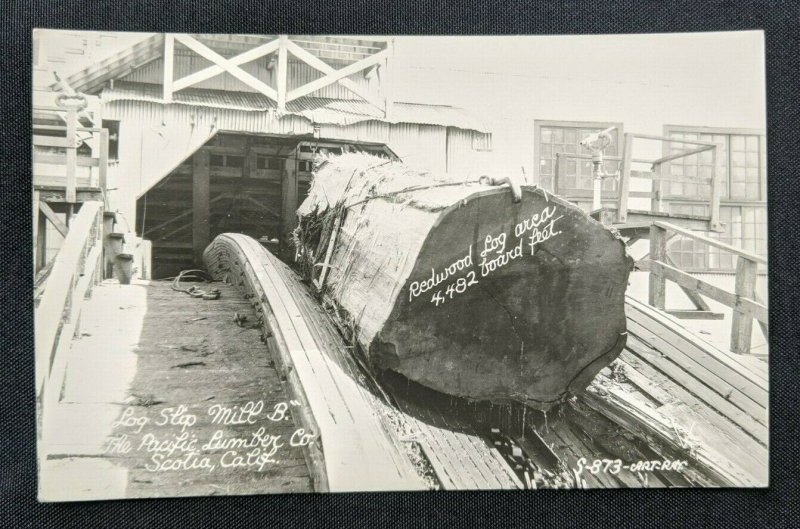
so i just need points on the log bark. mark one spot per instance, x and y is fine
(460, 287)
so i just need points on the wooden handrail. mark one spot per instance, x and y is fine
(73, 272)
(711, 242)
(743, 300)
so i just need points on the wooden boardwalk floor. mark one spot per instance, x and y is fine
(148, 354)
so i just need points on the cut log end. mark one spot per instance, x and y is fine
(471, 292)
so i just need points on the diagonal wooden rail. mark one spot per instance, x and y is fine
(75, 270)
(743, 300)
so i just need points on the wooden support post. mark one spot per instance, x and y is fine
(658, 252)
(169, 58)
(289, 192)
(657, 188)
(72, 154)
(201, 230)
(625, 180)
(716, 193)
(35, 228)
(102, 169)
(282, 73)
(41, 243)
(742, 324)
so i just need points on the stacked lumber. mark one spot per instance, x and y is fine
(464, 287)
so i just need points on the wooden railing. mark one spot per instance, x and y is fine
(743, 300)
(70, 159)
(75, 270)
(618, 198)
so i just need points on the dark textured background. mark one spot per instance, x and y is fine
(775, 507)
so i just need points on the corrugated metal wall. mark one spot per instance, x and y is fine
(155, 138)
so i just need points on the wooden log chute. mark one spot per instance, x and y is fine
(350, 427)
(461, 288)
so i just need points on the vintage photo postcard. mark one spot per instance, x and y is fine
(330, 263)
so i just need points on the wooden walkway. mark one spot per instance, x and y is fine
(148, 354)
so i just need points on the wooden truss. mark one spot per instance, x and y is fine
(282, 45)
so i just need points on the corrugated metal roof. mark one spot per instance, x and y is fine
(93, 77)
(315, 109)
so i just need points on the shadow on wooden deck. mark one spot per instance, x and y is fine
(143, 406)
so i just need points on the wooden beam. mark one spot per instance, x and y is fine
(289, 192)
(681, 154)
(72, 153)
(742, 324)
(40, 221)
(657, 282)
(201, 230)
(61, 159)
(696, 314)
(207, 53)
(625, 179)
(716, 193)
(335, 76)
(214, 70)
(665, 138)
(320, 65)
(169, 61)
(283, 87)
(53, 218)
(102, 167)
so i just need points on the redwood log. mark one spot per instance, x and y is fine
(462, 286)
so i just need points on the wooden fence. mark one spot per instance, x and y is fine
(743, 300)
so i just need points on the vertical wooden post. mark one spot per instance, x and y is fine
(742, 324)
(201, 229)
(72, 154)
(625, 179)
(282, 73)
(35, 220)
(102, 168)
(716, 192)
(657, 188)
(289, 192)
(169, 58)
(657, 281)
(41, 243)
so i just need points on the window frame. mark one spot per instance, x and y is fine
(537, 147)
(722, 131)
(739, 202)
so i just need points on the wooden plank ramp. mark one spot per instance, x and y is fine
(672, 387)
(357, 448)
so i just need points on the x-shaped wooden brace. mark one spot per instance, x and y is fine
(231, 66)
